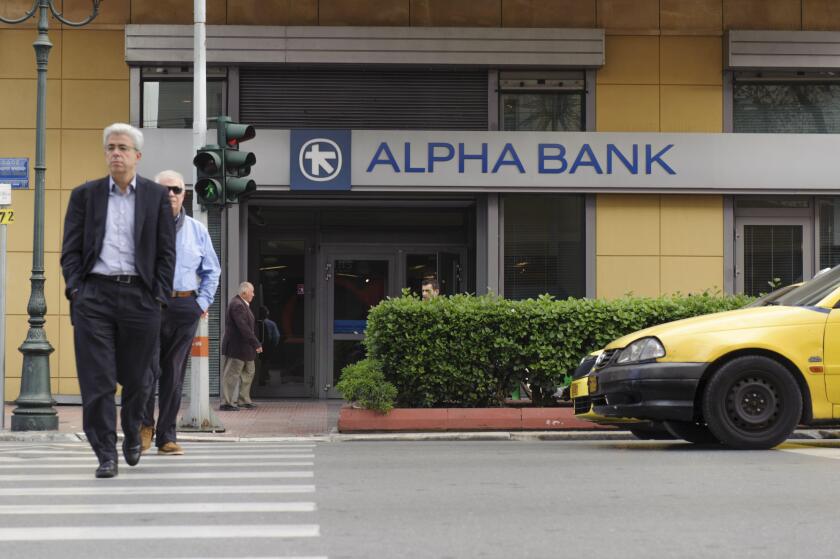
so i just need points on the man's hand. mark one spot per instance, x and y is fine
(259, 349)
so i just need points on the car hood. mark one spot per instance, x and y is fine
(759, 317)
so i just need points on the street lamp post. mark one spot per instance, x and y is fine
(34, 411)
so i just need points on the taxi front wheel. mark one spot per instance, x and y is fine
(752, 402)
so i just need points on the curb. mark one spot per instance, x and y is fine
(523, 436)
(456, 420)
(41, 437)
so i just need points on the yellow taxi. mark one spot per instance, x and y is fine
(745, 378)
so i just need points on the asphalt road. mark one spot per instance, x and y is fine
(546, 499)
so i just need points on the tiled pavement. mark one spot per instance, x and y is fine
(271, 418)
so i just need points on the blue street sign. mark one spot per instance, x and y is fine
(15, 171)
(320, 160)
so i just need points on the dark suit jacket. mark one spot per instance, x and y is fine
(154, 235)
(240, 340)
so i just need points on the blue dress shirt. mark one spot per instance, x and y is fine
(196, 264)
(117, 254)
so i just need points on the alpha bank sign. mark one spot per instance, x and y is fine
(534, 161)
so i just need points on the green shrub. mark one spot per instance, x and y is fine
(364, 383)
(466, 351)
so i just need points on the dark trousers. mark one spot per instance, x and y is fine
(115, 329)
(177, 330)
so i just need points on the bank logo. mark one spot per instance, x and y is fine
(320, 160)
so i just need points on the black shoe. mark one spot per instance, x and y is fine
(228, 407)
(108, 468)
(131, 453)
(248, 406)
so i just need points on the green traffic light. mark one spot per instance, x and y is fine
(208, 191)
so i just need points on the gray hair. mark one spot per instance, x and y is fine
(128, 130)
(170, 174)
(243, 287)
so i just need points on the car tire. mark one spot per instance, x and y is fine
(691, 431)
(752, 402)
(651, 432)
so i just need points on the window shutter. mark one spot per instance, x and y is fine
(363, 98)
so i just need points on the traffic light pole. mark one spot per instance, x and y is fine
(200, 416)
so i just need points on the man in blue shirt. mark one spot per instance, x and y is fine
(197, 274)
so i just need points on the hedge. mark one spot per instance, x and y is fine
(467, 351)
(364, 384)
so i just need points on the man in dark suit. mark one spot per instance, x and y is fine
(118, 260)
(240, 347)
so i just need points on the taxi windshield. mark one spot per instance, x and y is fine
(812, 292)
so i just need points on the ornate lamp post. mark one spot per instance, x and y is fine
(34, 410)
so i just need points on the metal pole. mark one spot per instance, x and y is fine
(200, 416)
(34, 411)
(2, 326)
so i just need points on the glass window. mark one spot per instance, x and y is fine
(772, 257)
(167, 97)
(794, 107)
(829, 210)
(545, 112)
(549, 102)
(168, 104)
(544, 246)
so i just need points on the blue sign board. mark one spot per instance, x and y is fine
(320, 160)
(15, 171)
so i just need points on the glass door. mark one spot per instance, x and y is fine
(444, 266)
(283, 320)
(772, 252)
(354, 284)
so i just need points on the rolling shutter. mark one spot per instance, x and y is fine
(363, 98)
(214, 227)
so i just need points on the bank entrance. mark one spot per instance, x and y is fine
(318, 270)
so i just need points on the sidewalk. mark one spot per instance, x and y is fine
(274, 418)
(319, 418)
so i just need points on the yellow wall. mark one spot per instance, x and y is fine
(668, 80)
(663, 73)
(87, 88)
(651, 244)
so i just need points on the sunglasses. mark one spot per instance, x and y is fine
(175, 189)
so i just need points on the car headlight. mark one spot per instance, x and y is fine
(644, 349)
(599, 361)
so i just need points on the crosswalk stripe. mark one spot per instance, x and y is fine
(130, 476)
(160, 464)
(188, 449)
(251, 445)
(100, 489)
(89, 457)
(81, 445)
(159, 508)
(159, 532)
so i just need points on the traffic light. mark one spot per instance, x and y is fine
(210, 176)
(237, 163)
(222, 169)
